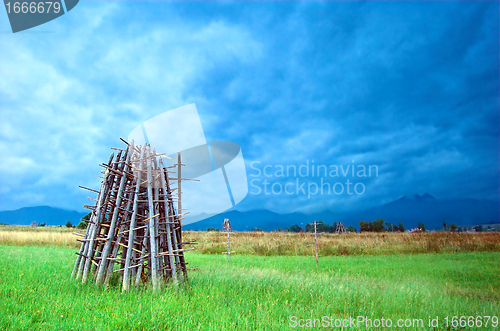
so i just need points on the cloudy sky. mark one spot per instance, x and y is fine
(411, 87)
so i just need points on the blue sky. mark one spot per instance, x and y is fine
(412, 87)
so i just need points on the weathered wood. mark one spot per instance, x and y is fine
(89, 189)
(111, 232)
(92, 231)
(98, 215)
(142, 257)
(179, 183)
(134, 215)
(228, 246)
(152, 228)
(173, 235)
(176, 250)
(126, 280)
(316, 242)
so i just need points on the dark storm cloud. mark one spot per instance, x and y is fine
(412, 87)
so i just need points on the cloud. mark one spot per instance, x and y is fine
(409, 86)
(69, 96)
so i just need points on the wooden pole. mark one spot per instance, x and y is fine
(171, 258)
(90, 226)
(142, 257)
(174, 227)
(155, 198)
(316, 242)
(98, 219)
(179, 185)
(111, 233)
(79, 256)
(228, 247)
(116, 247)
(178, 233)
(131, 233)
(152, 220)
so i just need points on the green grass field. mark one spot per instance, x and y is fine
(251, 292)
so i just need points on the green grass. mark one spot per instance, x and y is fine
(250, 293)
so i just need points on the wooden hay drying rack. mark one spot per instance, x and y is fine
(135, 228)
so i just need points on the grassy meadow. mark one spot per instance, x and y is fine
(285, 243)
(396, 276)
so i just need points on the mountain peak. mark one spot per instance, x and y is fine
(415, 197)
(423, 197)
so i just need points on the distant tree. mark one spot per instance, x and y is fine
(279, 230)
(68, 224)
(365, 226)
(378, 225)
(256, 230)
(453, 227)
(389, 227)
(295, 228)
(321, 227)
(401, 227)
(213, 229)
(334, 226)
(351, 228)
(422, 226)
(330, 228)
(82, 225)
(87, 217)
(445, 227)
(41, 224)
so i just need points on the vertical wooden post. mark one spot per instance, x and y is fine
(153, 254)
(156, 205)
(175, 228)
(79, 257)
(80, 261)
(179, 218)
(98, 219)
(133, 221)
(166, 198)
(316, 242)
(112, 227)
(179, 186)
(141, 257)
(228, 247)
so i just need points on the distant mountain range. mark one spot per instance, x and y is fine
(40, 214)
(408, 209)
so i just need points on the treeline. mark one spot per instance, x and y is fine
(320, 227)
(379, 225)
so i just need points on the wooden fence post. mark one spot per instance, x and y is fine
(316, 242)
